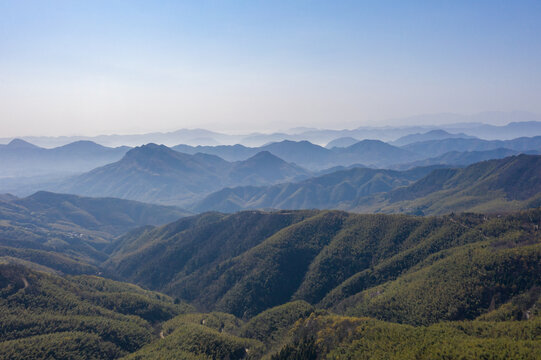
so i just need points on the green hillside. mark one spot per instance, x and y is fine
(81, 317)
(68, 233)
(290, 285)
(337, 190)
(502, 185)
(247, 262)
(337, 337)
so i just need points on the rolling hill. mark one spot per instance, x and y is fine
(68, 233)
(82, 317)
(376, 153)
(290, 284)
(331, 191)
(505, 184)
(465, 158)
(342, 142)
(496, 185)
(247, 262)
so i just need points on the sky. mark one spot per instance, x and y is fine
(101, 67)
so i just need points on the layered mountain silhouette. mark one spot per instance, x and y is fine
(464, 158)
(495, 185)
(21, 158)
(342, 142)
(336, 190)
(429, 136)
(512, 183)
(155, 173)
(440, 147)
(314, 157)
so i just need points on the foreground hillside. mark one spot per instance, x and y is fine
(290, 285)
(69, 233)
(86, 317)
(377, 265)
(83, 317)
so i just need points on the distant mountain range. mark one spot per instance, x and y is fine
(342, 142)
(375, 153)
(465, 158)
(155, 173)
(519, 124)
(442, 146)
(314, 157)
(20, 158)
(428, 136)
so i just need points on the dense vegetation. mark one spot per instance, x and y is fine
(69, 233)
(247, 262)
(496, 185)
(338, 337)
(302, 284)
(85, 317)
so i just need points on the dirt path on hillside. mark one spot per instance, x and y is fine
(26, 284)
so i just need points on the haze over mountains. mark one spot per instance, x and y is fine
(518, 124)
(184, 175)
(20, 158)
(238, 180)
(286, 250)
(155, 173)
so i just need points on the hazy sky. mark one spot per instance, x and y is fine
(92, 67)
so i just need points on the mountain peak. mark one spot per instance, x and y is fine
(342, 142)
(21, 144)
(437, 132)
(370, 144)
(85, 145)
(264, 155)
(149, 148)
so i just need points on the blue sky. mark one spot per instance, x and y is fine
(91, 67)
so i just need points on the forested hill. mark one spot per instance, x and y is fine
(45, 316)
(289, 285)
(247, 262)
(508, 184)
(505, 184)
(68, 233)
(336, 190)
